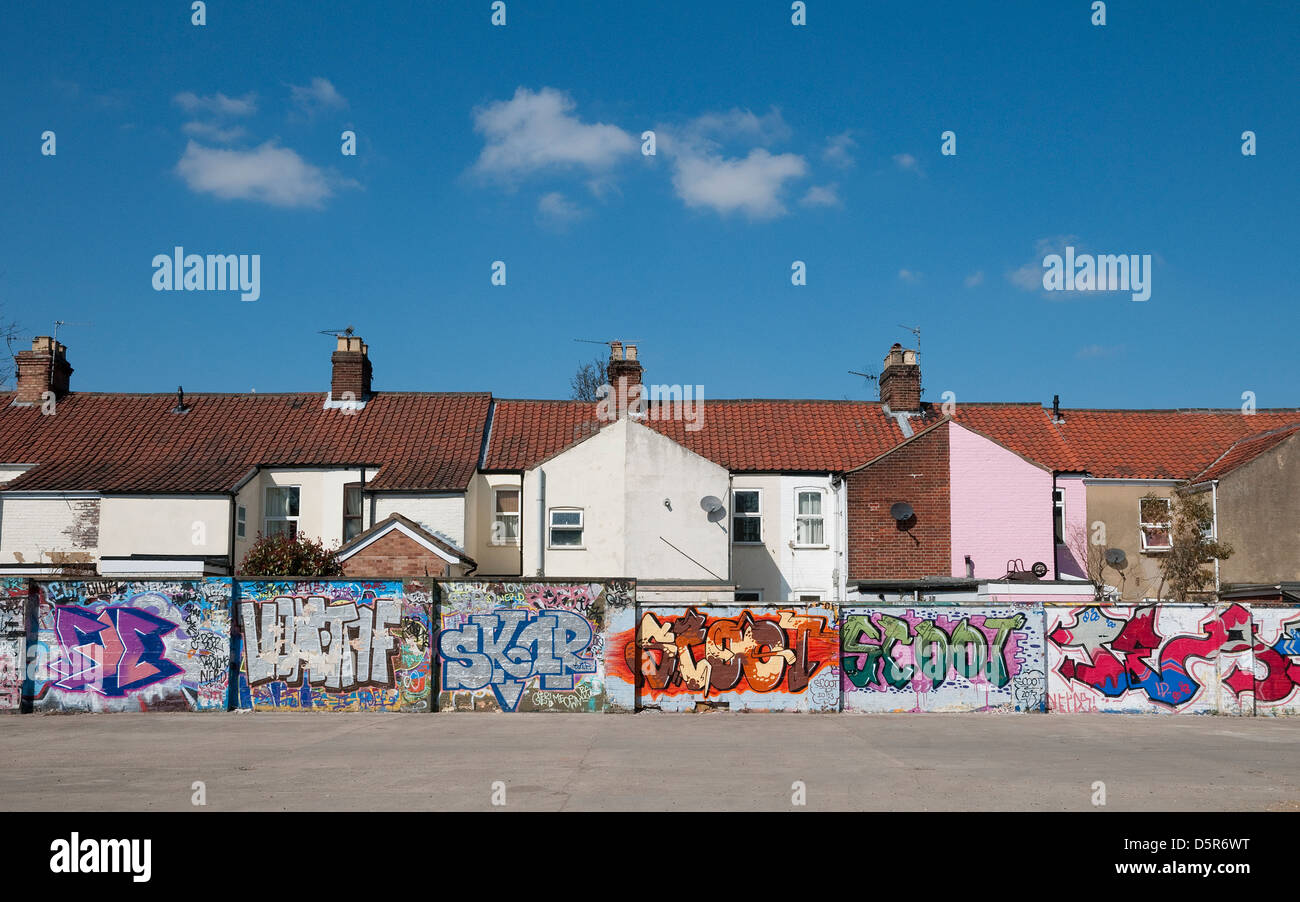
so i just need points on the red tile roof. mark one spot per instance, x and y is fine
(524, 433)
(431, 441)
(1244, 451)
(1160, 444)
(743, 435)
(134, 443)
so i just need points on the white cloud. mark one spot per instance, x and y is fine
(534, 131)
(839, 150)
(909, 276)
(217, 104)
(907, 163)
(974, 279)
(1029, 276)
(268, 174)
(556, 210)
(751, 185)
(319, 95)
(739, 124)
(214, 132)
(822, 196)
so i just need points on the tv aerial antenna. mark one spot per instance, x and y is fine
(592, 341)
(337, 332)
(916, 332)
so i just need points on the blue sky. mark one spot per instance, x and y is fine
(776, 143)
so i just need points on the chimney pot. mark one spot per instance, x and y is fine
(900, 380)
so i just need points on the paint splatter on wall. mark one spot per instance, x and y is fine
(13, 642)
(130, 646)
(519, 646)
(334, 646)
(777, 658)
(912, 659)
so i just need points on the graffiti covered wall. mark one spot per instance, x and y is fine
(770, 658)
(334, 645)
(130, 646)
(1270, 671)
(521, 646)
(1167, 659)
(13, 642)
(955, 659)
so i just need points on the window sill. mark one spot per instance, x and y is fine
(812, 547)
(566, 547)
(748, 544)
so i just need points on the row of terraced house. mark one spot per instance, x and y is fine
(755, 500)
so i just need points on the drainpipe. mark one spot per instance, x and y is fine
(234, 504)
(1056, 552)
(731, 538)
(541, 522)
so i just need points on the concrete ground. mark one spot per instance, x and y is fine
(648, 761)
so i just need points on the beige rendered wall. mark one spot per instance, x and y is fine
(1259, 515)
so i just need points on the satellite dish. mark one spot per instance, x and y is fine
(901, 510)
(1039, 569)
(714, 507)
(1116, 558)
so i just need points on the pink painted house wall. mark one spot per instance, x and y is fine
(1069, 564)
(1001, 506)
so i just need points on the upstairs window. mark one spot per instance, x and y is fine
(747, 517)
(241, 522)
(505, 517)
(351, 511)
(566, 528)
(809, 525)
(281, 511)
(1156, 524)
(1058, 515)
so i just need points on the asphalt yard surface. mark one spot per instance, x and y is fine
(648, 762)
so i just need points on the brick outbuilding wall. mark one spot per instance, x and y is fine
(917, 473)
(394, 554)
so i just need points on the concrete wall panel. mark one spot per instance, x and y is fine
(943, 659)
(13, 642)
(130, 646)
(525, 646)
(737, 657)
(1159, 659)
(336, 645)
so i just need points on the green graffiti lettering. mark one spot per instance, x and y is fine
(969, 649)
(998, 672)
(896, 631)
(932, 652)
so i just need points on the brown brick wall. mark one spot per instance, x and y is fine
(917, 473)
(351, 374)
(395, 554)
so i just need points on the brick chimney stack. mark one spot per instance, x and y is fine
(42, 369)
(624, 372)
(900, 380)
(351, 361)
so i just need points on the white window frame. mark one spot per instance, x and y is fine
(755, 515)
(1167, 525)
(241, 521)
(821, 506)
(266, 506)
(498, 515)
(581, 528)
(1058, 504)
